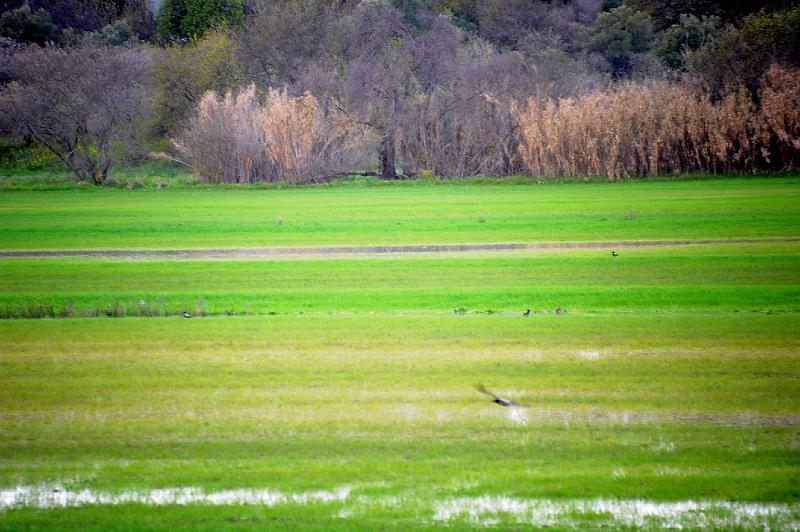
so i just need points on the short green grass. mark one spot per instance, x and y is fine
(746, 278)
(669, 374)
(400, 213)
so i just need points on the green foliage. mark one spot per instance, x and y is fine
(608, 5)
(688, 35)
(742, 55)
(412, 10)
(464, 13)
(187, 71)
(619, 35)
(168, 20)
(666, 13)
(192, 19)
(117, 34)
(25, 158)
(26, 26)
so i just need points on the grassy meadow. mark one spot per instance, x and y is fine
(405, 212)
(659, 388)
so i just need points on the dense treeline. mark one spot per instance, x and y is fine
(302, 90)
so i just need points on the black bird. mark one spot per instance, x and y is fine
(187, 315)
(527, 313)
(614, 254)
(499, 400)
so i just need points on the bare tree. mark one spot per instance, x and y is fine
(372, 81)
(82, 103)
(463, 126)
(280, 38)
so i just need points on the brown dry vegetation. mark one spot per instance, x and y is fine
(634, 129)
(656, 128)
(236, 139)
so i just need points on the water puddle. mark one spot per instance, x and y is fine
(487, 511)
(57, 496)
(475, 511)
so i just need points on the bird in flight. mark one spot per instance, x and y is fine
(614, 254)
(499, 400)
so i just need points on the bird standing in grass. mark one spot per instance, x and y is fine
(499, 400)
(527, 313)
(187, 315)
(614, 254)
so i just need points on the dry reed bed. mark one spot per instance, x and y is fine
(237, 139)
(634, 129)
(658, 128)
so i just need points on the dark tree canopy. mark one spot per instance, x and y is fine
(191, 19)
(27, 26)
(668, 12)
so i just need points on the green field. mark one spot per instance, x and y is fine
(660, 387)
(406, 213)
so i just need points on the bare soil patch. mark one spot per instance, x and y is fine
(225, 253)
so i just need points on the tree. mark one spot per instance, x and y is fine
(82, 103)
(742, 55)
(27, 26)
(619, 35)
(379, 81)
(688, 35)
(280, 40)
(81, 15)
(504, 22)
(139, 16)
(665, 13)
(184, 73)
(117, 34)
(191, 19)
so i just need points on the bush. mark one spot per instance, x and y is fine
(288, 139)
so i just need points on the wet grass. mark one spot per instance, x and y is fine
(402, 213)
(674, 408)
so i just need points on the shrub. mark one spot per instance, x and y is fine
(235, 139)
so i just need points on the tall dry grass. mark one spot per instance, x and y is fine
(658, 128)
(780, 102)
(237, 139)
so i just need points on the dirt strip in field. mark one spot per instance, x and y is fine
(222, 253)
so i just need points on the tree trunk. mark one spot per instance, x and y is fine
(387, 151)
